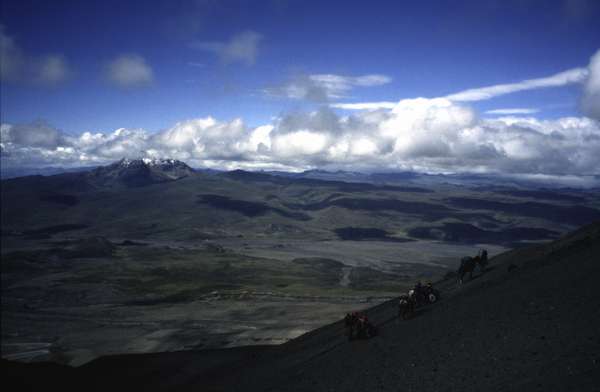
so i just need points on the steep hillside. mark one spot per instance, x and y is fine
(531, 322)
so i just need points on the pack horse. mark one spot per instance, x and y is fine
(468, 264)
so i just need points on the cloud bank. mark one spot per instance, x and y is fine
(430, 135)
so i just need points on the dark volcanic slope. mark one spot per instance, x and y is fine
(531, 323)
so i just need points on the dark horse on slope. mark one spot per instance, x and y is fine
(468, 264)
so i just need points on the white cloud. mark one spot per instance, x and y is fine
(37, 134)
(53, 70)
(513, 111)
(242, 48)
(370, 80)
(299, 143)
(129, 71)
(571, 76)
(19, 67)
(363, 146)
(432, 135)
(11, 57)
(339, 84)
(324, 87)
(365, 105)
(425, 127)
(421, 134)
(590, 102)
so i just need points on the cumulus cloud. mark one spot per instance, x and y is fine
(431, 135)
(19, 67)
(129, 71)
(37, 134)
(324, 87)
(241, 48)
(590, 102)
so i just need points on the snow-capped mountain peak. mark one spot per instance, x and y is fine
(140, 172)
(160, 161)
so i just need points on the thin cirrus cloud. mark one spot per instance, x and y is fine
(365, 105)
(129, 71)
(571, 76)
(17, 66)
(240, 48)
(324, 87)
(513, 111)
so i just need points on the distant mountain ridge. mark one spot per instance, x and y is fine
(165, 169)
(7, 173)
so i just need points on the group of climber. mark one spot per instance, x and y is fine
(418, 296)
(358, 325)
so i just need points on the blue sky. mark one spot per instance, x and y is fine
(427, 48)
(100, 66)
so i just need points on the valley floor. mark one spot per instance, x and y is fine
(158, 296)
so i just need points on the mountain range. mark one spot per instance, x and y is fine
(465, 179)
